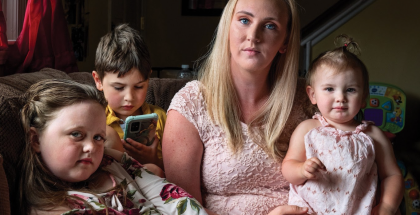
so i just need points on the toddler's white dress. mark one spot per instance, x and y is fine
(349, 184)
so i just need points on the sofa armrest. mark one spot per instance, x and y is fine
(4, 191)
(162, 90)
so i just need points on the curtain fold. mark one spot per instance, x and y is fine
(3, 37)
(44, 40)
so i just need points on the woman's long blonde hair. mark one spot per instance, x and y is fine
(221, 97)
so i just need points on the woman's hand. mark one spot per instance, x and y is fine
(288, 209)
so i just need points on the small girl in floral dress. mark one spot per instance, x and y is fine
(65, 171)
(333, 160)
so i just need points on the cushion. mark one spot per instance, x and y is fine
(82, 77)
(12, 143)
(14, 85)
(162, 90)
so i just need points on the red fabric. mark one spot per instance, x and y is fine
(3, 37)
(44, 40)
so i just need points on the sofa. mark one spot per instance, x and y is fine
(160, 92)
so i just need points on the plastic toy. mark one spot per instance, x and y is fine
(386, 108)
(411, 201)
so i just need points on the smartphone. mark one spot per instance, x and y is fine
(141, 128)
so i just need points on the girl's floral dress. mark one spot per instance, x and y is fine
(146, 193)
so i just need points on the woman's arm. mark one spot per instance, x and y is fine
(295, 167)
(182, 152)
(392, 183)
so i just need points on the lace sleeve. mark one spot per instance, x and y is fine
(189, 102)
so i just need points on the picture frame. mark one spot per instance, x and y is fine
(203, 7)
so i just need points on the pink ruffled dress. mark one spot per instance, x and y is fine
(349, 184)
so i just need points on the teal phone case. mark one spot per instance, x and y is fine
(141, 128)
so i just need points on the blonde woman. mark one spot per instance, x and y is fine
(227, 134)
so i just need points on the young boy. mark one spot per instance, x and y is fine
(122, 72)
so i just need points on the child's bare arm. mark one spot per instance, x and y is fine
(296, 168)
(392, 183)
(113, 140)
(117, 155)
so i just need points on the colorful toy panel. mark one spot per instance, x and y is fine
(411, 196)
(386, 107)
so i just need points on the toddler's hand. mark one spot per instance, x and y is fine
(142, 153)
(311, 166)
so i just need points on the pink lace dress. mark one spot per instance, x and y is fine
(247, 183)
(349, 184)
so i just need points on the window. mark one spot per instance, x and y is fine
(14, 13)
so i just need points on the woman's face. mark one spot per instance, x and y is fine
(257, 32)
(72, 144)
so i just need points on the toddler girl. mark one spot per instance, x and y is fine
(64, 169)
(333, 160)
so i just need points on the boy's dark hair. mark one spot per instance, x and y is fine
(122, 50)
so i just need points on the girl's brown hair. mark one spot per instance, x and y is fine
(345, 56)
(39, 188)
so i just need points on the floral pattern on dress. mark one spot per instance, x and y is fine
(146, 193)
(171, 192)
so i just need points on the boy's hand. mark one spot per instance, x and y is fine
(142, 153)
(311, 166)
